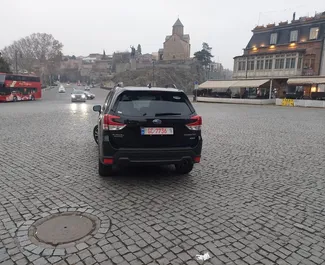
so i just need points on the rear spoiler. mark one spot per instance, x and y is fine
(170, 86)
(166, 86)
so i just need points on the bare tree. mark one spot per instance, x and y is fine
(35, 52)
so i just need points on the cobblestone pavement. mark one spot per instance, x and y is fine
(258, 197)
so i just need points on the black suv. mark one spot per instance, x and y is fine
(148, 126)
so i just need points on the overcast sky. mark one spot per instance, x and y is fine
(90, 26)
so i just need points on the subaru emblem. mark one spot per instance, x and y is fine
(156, 121)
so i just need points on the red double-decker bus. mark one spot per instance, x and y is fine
(17, 87)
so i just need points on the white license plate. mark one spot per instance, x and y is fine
(157, 131)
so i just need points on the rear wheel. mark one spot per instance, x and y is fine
(95, 133)
(184, 167)
(104, 170)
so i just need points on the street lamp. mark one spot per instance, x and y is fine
(16, 61)
(153, 72)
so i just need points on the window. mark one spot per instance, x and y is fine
(4, 91)
(313, 34)
(241, 66)
(293, 35)
(268, 62)
(151, 103)
(10, 77)
(107, 100)
(279, 62)
(250, 64)
(274, 38)
(2, 78)
(290, 61)
(299, 65)
(260, 63)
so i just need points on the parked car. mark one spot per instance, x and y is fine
(61, 89)
(147, 126)
(89, 95)
(78, 96)
(87, 88)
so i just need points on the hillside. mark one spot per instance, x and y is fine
(182, 78)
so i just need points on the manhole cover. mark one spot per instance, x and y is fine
(64, 228)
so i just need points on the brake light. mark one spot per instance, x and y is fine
(110, 123)
(196, 123)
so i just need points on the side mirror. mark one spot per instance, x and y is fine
(97, 108)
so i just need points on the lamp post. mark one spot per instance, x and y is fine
(153, 72)
(16, 61)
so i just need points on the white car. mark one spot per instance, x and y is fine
(61, 89)
(87, 88)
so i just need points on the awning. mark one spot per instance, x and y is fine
(218, 84)
(315, 80)
(222, 84)
(250, 83)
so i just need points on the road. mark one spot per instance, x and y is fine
(257, 197)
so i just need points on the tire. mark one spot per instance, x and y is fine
(104, 170)
(184, 167)
(95, 134)
(15, 99)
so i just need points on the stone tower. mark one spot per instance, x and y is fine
(178, 28)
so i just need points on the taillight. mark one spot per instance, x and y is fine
(196, 123)
(110, 123)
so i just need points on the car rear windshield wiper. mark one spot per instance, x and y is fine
(166, 114)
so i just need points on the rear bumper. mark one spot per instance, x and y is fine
(155, 156)
(78, 100)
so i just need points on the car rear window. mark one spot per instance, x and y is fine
(78, 92)
(152, 103)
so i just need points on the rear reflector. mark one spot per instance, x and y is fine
(197, 159)
(108, 161)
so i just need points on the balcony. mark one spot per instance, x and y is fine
(275, 73)
(309, 72)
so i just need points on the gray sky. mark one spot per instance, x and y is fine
(90, 26)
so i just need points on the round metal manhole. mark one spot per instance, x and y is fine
(64, 228)
(62, 231)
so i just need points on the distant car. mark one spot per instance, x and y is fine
(89, 95)
(61, 89)
(78, 96)
(87, 88)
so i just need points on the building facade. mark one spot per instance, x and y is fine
(283, 51)
(176, 46)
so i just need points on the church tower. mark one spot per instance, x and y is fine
(178, 28)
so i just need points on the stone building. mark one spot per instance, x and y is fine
(176, 46)
(290, 53)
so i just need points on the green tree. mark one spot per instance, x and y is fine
(204, 56)
(4, 66)
(73, 57)
(139, 50)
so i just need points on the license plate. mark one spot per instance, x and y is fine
(157, 131)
